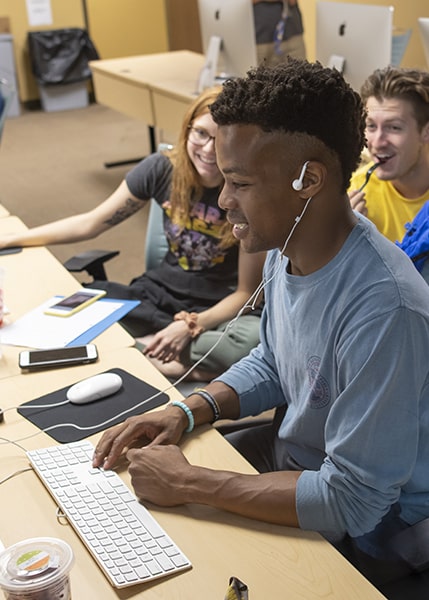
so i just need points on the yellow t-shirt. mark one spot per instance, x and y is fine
(387, 209)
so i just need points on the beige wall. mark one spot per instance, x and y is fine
(405, 17)
(117, 28)
(127, 27)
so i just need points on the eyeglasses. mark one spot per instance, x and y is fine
(199, 136)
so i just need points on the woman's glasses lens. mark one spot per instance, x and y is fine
(199, 136)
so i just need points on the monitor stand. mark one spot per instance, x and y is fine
(207, 77)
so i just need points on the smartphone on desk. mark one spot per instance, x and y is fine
(72, 304)
(58, 357)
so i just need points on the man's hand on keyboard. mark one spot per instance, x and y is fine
(159, 427)
(159, 474)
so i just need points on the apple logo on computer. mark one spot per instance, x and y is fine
(342, 29)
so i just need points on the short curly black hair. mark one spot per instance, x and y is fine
(298, 96)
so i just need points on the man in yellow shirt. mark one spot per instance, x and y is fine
(397, 132)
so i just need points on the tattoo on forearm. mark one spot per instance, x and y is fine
(130, 207)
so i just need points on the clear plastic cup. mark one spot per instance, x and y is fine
(36, 569)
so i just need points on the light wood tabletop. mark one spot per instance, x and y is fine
(32, 276)
(273, 561)
(154, 88)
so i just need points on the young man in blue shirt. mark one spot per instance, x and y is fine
(344, 337)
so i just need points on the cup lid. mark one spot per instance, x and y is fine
(34, 564)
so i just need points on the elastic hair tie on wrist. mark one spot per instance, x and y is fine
(210, 400)
(188, 413)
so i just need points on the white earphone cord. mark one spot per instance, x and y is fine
(249, 304)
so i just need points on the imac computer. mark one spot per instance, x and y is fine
(424, 34)
(228, 37)
(354, 38)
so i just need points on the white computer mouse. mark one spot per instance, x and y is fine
(94, 388)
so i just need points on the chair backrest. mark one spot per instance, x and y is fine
(399, 45)
(6, 95)
(156, 244)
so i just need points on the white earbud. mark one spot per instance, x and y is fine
(297, 183)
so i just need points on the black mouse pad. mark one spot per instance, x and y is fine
(94, 414)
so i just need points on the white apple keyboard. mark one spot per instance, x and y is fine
(127, 543)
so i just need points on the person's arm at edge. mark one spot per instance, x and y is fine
(120, 205)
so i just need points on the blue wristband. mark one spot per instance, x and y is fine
(188, 413)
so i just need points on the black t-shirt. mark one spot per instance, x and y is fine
(195, 265)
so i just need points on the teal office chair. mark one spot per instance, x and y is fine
(6, 95)
(399, 45)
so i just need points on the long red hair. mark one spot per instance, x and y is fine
(186, 186)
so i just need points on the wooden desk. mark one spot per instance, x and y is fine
(274, 561)
(32, 277)
(155, 88)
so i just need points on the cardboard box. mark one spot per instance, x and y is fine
(4, 25)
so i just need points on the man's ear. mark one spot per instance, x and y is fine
(314, 179)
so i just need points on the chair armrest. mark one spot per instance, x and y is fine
(91, 261)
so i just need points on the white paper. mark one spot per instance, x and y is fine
(39, 12)
(37, 330)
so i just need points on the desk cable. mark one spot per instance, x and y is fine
(249, 304)
(19, 471)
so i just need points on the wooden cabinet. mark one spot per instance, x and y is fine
(183, 25)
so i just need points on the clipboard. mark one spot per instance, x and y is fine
(93, 332)
(38, 330)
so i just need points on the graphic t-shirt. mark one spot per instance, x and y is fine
(194, 265)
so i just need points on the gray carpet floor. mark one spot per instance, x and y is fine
(52, 166)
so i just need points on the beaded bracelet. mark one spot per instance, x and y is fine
(191, 320)
(188, 413)
(210, 399)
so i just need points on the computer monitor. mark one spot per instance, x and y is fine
(228, 36)
(354, 38)
(424, 34)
